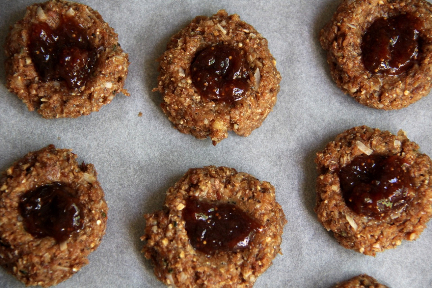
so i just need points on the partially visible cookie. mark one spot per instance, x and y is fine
(218, 228)
(373, 190)
(360, 281)
(52, 216)
(217, 75)
(379, 51)
(64, 60)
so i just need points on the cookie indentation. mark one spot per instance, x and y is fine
(51, 210)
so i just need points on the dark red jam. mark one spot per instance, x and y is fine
(218, 227)
(64, 53)
(51, 210)
(375, 185)
(221, 72)
(392, 45)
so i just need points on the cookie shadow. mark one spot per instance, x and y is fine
(309, 168)
(324, 15)
(151, 63)
(151, 203)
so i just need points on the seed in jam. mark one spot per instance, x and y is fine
(376, 185)
(51, 210)
(221, 72)
(218, 227)
(64, 53)
(392, 45)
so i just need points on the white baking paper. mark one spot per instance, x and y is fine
(139, 158)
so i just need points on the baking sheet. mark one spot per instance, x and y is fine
(139, 158)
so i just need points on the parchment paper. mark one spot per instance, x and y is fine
(139, 158)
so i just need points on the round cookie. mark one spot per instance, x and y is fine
(31, 257)
(192, 111)
(402, 215)
(342, 38)
(63, 60)
(360, 281)
(178, 263)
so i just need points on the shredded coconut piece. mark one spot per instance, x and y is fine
(89, 178)
(221, 28)
(63, 246)
(70, 12)
(364, 148)
(397, 143)
(181, 72)
(257, 78)
(41, 14)
(351, 222)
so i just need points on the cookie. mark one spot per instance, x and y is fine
(63, 60)
(373, 189)
(360, 281)
(379, 51)
(52, 216)
(218, 228)
(217, 75)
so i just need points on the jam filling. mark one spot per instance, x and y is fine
(64, 53)
(221, 72)
(51, 210)
(218, 227)
(375, 185)
(391, 46)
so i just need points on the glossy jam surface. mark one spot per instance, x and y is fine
(64, 53)
(392, 45)
(218, 227)
(51, 210)
(375, 185)
(221, 72)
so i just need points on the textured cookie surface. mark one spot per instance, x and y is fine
(187, 109)
(363, 233)
(175, 260)
(342, 39)
(360, 281)
(41, 260)
(52, 98)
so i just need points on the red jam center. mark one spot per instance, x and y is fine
(221, 72)
(51, 210)
(64, 53)
(375, 185)
(218, 227)
(391, 45)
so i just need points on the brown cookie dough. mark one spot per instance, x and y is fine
(194, 113)
(360, 281)
(38, 260)
(101, 67)
(342, 39)
(177, 263)
(405, 219)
